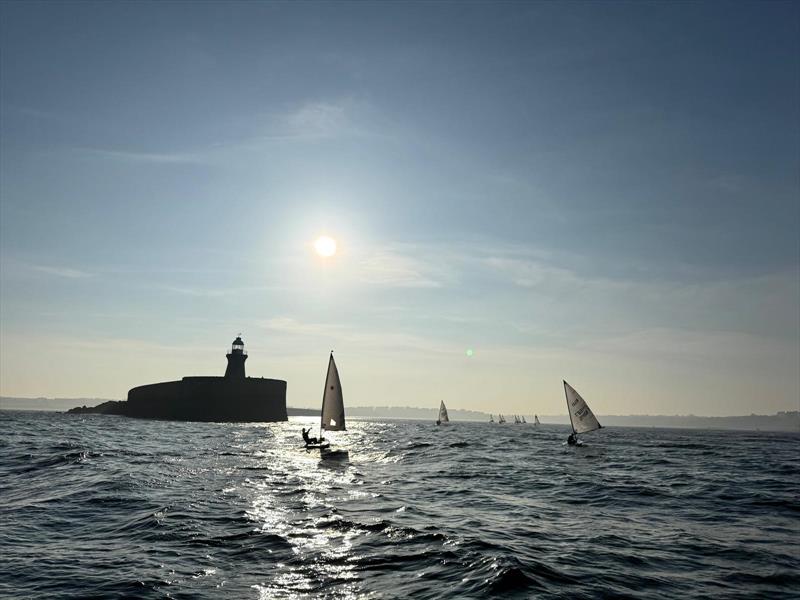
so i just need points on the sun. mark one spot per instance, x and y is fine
(325, 246)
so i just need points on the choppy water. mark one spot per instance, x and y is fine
(97, 506)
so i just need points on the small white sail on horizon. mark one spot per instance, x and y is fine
(580, 415)
(332, 401)
(443, 418)
(523, 419)
(536, 420)
(501, 419)
(491, 419)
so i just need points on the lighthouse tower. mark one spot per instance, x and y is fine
(236, 358)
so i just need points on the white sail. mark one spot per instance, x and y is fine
(443, 413)
(580, 415)
(536, 419)
(332, 400)
(491, 419)
(523, 419)
(501, 419)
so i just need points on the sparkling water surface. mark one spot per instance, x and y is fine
(102, 506)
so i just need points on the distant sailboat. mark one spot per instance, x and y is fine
(491, 419)
(536, 421)
(443, 418)
(501, 419)
(523, 419)
(332, 406)
(580, 415)
(516, 420)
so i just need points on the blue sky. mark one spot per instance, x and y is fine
(602, 192)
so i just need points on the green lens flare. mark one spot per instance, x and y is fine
(470, 352)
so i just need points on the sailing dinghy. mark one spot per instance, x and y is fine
(536, 421)
(332, 409)
(443, 418)
(580, 415)
(501, 419)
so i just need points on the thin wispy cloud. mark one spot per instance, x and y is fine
(318, 119)
(66, 272)
(325, 118)
(294, 327)
(165, 158)
(357, 337)
(216, 292)
(386, 268)
(15, 268)
(34, 113)
(695, 347)
(307, 121)
(531, 273)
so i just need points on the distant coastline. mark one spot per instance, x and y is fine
(782, 421)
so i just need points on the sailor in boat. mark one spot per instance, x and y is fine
(310, 440)
(572, 440)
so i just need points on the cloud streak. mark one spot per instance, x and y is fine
(66, 272)
(162, 158)
(357, 337)
(387, 268)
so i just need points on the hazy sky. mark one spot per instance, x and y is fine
(597, 192)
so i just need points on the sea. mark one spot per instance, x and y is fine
(95, 506)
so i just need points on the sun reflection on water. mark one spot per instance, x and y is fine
(296, 498)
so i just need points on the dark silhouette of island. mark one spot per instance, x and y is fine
(234, 397)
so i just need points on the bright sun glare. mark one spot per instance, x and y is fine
(325, 246)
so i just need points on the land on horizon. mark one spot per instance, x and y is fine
(781, 421)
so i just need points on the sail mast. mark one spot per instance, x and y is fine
(324, 390)
(569, 411)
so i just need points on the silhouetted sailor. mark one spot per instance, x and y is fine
(309, 440)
